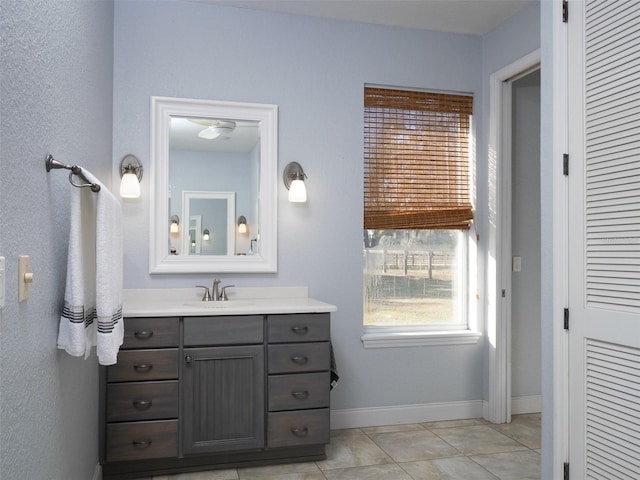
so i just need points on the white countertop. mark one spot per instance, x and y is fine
(242, 301)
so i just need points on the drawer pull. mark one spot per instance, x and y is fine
(142, 404)
(300, 330)
(300, 432)
(188, 359)
(143, 443)
(299, 359)
(301, 395)
(142, 368)
(144, 335)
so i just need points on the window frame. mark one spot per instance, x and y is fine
(466, 332)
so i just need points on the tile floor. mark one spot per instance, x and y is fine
(451, 450)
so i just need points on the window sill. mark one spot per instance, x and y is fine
(419, 339)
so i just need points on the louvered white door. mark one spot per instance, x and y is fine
(604, 239)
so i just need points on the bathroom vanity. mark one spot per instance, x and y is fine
(201, 385)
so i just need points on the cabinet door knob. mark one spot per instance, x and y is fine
(188, 359)
(300, 432)
(299, 359)
(144, 335)
(300, 395)
(300, 330)
(142, 404)
(142, 443)
(142, 368)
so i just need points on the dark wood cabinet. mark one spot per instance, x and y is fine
(223, 399)
(299, 360)
(140, 393)
(197, 393)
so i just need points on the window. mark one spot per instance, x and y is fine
(417, 211)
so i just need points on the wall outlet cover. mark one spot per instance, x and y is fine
(517, 263)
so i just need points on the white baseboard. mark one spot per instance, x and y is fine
(379, 416)
(97, 474)
(526, 404)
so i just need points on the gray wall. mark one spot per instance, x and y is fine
(56, 97)
(525, 241)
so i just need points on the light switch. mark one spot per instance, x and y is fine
(2, 283)
(25, 277)
(516, 263)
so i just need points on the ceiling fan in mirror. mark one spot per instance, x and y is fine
(214, 128)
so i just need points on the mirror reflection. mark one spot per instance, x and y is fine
(210, 230)
(210, 155)
(213, 207)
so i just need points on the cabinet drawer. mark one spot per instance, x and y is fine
(142, 401)
(299, 357)
(139, 440)
(298, 391)
(234, 330)
(151, 332)
(303, 427)
(313, 327)
(137, 365)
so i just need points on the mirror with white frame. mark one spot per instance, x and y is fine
(213, 167)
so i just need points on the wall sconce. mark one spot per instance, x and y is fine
(294, 181)
(175, 223)
(242, 224)
(205, 235)
(131, 173)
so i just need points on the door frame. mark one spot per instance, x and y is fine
(498, 407)
(556, 380)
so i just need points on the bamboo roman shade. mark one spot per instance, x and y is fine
(417, 165)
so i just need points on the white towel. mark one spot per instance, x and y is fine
(92, 312)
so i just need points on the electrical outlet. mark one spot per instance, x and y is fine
(516, 263)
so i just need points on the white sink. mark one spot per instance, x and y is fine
(219, 304)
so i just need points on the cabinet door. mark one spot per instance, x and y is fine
(223, 398)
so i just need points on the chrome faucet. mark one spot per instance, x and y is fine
(215, 296)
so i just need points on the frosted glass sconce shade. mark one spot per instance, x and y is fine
(242, 224)
(294, 180)
(129, 186)
(297, 192)
(175, 224)
(205, 234)
(131, 173)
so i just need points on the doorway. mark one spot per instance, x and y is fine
(525, 245)
(498, 407)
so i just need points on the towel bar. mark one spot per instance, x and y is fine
(51, 162)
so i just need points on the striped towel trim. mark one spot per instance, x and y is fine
(106, 325)
(78, 314)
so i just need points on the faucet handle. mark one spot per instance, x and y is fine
(223, 293)
(207, 294)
